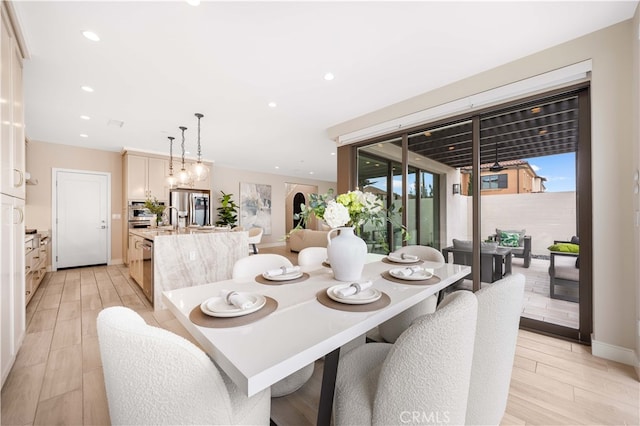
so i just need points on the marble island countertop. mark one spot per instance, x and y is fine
(152, 233)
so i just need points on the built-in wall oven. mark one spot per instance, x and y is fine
(139, 215)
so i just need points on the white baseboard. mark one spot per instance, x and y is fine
(614, 353)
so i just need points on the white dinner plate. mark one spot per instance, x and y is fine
(416, 276)
(218, 306)
(365, 296)
(283, 277)
(399, 260)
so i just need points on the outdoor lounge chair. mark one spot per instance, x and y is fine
(523, 247)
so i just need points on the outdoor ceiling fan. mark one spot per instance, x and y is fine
(496, 167)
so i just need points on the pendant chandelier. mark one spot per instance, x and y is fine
(171, 179)
(184, 176)
(496, 166)
(199, 171)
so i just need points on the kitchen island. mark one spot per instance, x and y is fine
(183, 258)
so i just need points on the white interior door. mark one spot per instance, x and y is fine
(82, 218)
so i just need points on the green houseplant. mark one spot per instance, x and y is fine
(228, 211)
(155, 208)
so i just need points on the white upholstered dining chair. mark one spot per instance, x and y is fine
(499, 307)
(249, 267)
(391, 329)
(312, 256)
(425, 373)
(153, 376)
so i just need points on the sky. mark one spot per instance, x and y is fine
(560, 171)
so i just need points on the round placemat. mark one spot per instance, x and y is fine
(203, 320)
(417, 262)
(366, 307)
(433, 280)
(262, 280)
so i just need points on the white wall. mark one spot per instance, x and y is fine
(614, 148)
(228, 180)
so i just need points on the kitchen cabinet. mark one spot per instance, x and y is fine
(12, 282)
(146, 178)
(12, 194)
(12, 154)
(135, 258)
(37, 253)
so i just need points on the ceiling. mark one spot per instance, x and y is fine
(159, 63)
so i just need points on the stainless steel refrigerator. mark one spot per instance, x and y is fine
(192, 207)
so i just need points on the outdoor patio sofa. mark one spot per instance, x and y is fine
(564, 272)
(523, 247)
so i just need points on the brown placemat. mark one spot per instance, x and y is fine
(417, 262)
(200, 318)
(262, 280)
(433, 280)
(324, 299)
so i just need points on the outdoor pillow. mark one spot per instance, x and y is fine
(565, 247)
(510, 239)
(520, 232)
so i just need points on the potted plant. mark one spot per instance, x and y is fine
(155, 208)
(228, 211)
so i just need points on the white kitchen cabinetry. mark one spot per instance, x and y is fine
(12, 300)
(146, 178)
(12, 193)
(37, 252)
(12, 156)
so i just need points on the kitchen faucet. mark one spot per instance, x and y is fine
(165, 216)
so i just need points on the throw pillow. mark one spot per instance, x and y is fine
(520, 232)
(510, 239)
(565, 247)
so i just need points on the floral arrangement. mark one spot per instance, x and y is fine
(154, 207)
(355, 208)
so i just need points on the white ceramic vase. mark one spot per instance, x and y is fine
(347, 254)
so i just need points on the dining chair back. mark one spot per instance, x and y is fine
(422, 378)
(255, 236)
(249, 267)
(153, 376)
(499, 307)
(312, 256)
(391, 329)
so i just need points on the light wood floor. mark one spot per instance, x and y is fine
(57, 377)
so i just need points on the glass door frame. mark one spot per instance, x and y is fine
(347, 180)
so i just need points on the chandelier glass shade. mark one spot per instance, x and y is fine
(199, 171)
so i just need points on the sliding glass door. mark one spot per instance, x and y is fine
(512, 180)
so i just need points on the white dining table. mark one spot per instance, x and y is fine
(301, 330)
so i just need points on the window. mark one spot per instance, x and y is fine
(495, 181)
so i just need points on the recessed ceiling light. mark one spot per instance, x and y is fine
(85, 117)
(536, 110)
(193, 2)
(542, 131)
(417, 158)
(272, 104)
(427, 134)
(90, 35)
(333, 153)
(277, 167)
(87, 88)
(329, 76)
(84, 135)
(380, 145)
(310, 173)
(367, 162)
(451, 148)
(377, 164)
